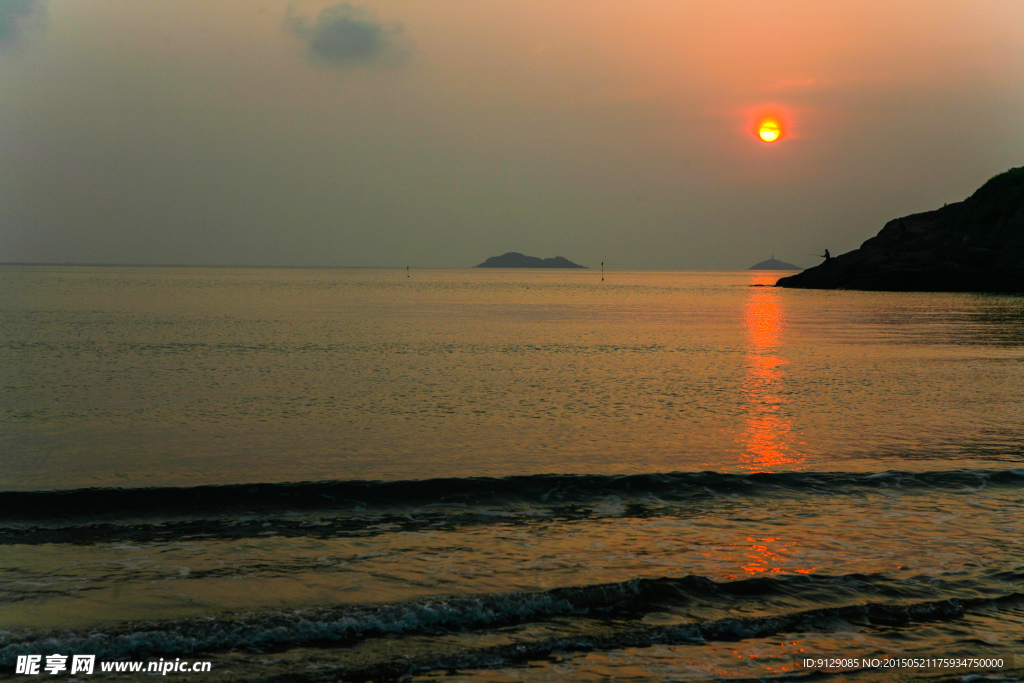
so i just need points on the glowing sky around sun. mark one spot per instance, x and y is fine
(441, 132)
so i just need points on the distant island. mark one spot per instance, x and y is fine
(976, 245)
(774, 264)
(514, 259)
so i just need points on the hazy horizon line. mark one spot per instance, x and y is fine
(322, 267)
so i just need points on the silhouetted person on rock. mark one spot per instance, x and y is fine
(826, 256)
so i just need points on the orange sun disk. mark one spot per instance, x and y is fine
(769, 131)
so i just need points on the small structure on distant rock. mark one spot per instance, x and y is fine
(514, 259)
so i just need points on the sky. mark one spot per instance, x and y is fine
(437, 133)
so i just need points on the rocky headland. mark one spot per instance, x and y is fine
(976, 245)
(514, 259)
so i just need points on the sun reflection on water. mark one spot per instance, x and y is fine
(765, 555)
(767, 441)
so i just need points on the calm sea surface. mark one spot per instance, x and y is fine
(500, 475)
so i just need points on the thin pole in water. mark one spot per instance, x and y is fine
(407, 271)
(602, 271)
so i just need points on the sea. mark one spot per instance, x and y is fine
(302, 474)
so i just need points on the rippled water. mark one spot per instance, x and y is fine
(510, 475)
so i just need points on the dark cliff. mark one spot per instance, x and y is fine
(976, 245)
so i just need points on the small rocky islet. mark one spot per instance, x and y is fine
(774, 264)
(514, 259)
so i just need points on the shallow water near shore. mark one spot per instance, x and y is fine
(323, 474)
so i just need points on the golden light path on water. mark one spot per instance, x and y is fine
(767, 441)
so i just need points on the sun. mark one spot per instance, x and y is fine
(769, 130)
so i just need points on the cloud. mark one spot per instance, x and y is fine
(347, 35)
(19, 17)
